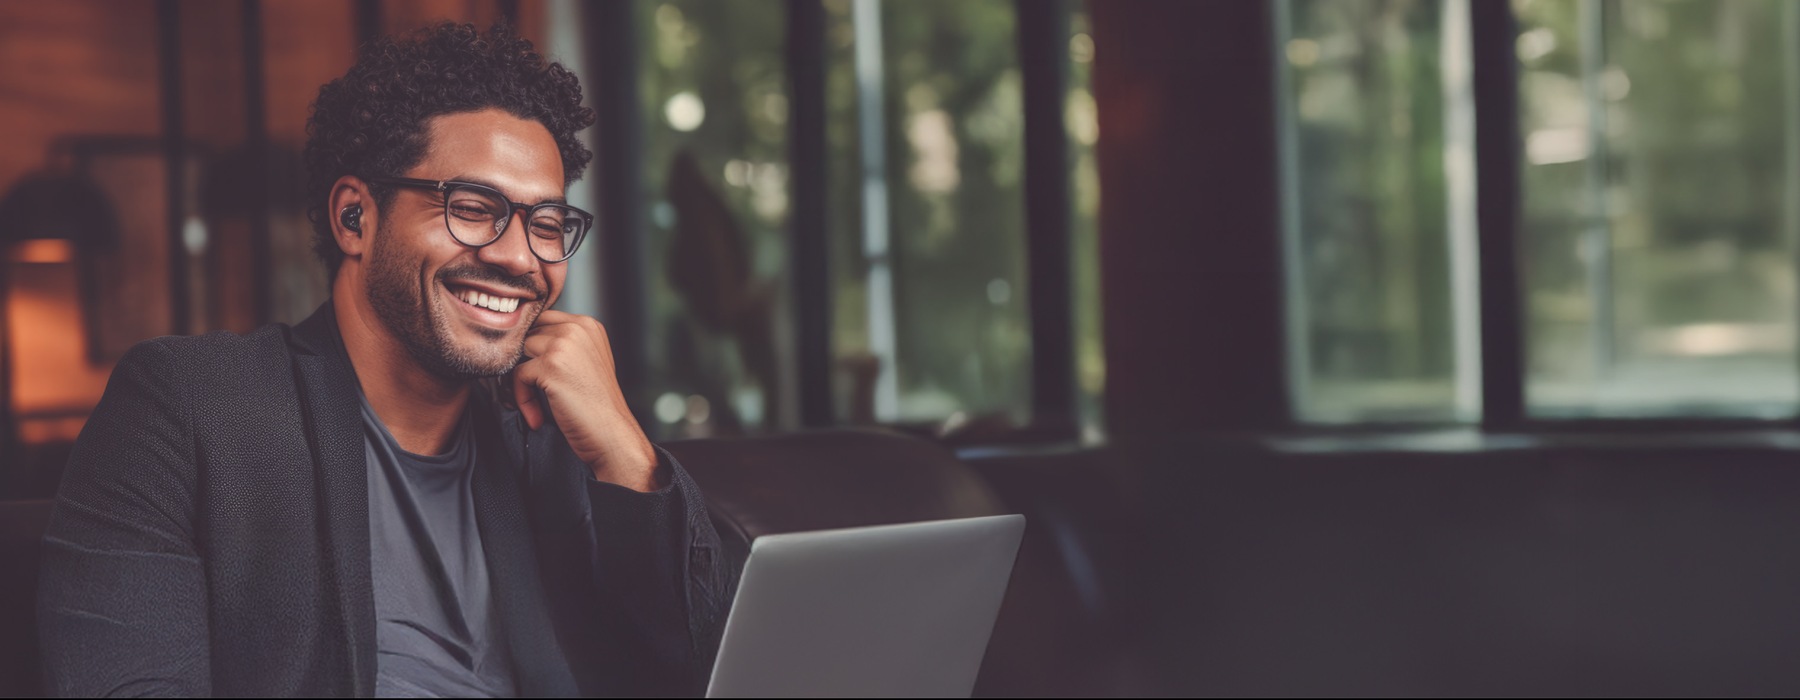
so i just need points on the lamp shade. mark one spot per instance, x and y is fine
(58, 206)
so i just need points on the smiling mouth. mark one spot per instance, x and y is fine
(483, 300)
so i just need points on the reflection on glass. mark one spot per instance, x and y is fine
(1378, 209)
(1659, 207)
(1081, 118)
(715, 155)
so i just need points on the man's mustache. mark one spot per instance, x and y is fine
(523, 283)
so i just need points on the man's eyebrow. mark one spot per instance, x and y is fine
(559, 199)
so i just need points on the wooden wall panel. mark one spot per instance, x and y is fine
(73, 66)
(534, 19)
(306, 43)
(401, 16)
(212, 73)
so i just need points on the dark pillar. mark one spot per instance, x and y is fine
(810, 239)
(1043, 28)
(612, 60)
(1497, 212)
(1189, 230)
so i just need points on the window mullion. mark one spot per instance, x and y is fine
(812, 292)
(1497, 153)
(1043, 36)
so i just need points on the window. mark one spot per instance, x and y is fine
(713, 81)
(924, 198)
(1378, 195)
(932, 305)
(1658, 155)
(1659, 207)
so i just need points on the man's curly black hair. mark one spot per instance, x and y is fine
(372, 121)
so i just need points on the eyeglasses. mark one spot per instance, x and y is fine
(477, 215)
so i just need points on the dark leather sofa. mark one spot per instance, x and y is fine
(1632, 564)
(1048, 641)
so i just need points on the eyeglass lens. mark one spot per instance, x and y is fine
(477, 217)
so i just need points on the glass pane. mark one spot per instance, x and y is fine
(715, 156)
(950, 157)
(1659, 208)
(858, 364)
(1378, 201)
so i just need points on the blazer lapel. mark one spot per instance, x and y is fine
(539, 663)
(334, 431)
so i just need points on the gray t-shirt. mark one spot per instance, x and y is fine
(435, 632)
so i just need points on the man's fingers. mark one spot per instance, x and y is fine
(575, 336)
(553, 317)
(537, 345)
(564, 320)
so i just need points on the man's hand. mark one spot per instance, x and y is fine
(568, 372)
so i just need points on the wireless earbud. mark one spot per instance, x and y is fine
(351, 217)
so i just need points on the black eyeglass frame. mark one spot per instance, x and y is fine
(512, 207)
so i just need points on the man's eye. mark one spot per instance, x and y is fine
(470, 212)
(546, 229)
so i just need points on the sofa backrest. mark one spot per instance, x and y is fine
(21, 534)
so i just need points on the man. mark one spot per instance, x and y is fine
(430, 487)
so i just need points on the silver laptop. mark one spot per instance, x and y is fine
(890, 610)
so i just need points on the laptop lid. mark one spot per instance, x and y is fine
(889, 610)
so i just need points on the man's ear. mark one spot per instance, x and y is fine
(352, 214)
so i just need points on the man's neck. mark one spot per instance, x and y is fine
(420, 409)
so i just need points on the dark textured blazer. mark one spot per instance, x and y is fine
(211, 537)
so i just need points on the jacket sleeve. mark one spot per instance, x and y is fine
(659, 556)
(122, 595)
(655, 584)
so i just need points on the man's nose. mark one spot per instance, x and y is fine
(512, 252)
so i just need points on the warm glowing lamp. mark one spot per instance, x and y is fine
(44, 250)
(46, 218)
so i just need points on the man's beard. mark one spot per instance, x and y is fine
(417, 318)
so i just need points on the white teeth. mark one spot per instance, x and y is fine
(505, 305)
